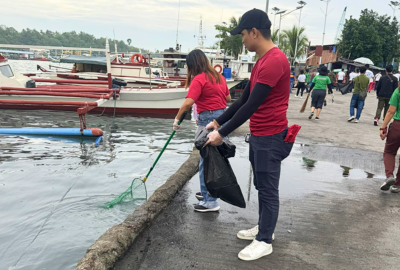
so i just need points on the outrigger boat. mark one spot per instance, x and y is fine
(21, 92)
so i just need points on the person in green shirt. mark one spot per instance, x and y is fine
(307, 79)
(392, 143)
(318, 88)
(361, 84)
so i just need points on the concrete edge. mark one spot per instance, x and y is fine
(115, 242)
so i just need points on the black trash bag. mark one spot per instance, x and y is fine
(345, 88)
(219, 177)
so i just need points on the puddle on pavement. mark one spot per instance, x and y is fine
(299, 175)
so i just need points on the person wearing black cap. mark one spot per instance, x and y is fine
(265, 102)
(319, 84)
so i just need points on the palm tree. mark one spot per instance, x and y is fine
(290, 37)
(274, 36)
(231, 44)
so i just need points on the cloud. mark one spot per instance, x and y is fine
(154, 22)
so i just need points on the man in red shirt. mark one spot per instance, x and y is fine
(265, 102)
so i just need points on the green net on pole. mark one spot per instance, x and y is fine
(136, 191)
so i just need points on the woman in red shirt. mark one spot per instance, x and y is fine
(209, 90)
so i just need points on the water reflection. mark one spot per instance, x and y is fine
(370, 175)
(309, 163)
(346, 171)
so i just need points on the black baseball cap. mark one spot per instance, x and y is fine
(254, 18)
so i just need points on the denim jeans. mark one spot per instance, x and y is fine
(205, 118)
(358, 103)
(266, 155)
(291, 86)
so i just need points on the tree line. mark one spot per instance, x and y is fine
(8, 35)
(373, 36)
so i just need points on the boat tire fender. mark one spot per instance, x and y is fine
(119, 82)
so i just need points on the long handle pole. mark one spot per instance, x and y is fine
(297, 39)
(165, 146)
(323, 36)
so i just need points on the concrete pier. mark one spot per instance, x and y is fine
(332, 213)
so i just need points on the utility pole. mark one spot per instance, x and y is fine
(323, 36)
(302, 4)
(266, 8)
(275, 9)
(394, 5)
(280, 21)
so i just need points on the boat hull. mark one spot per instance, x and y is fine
(130, 101)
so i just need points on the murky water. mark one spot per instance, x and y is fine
(51, 189)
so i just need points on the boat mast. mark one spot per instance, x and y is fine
(177, 26)
(108, 64)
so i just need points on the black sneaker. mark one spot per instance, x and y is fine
(376, 122)
(199, 196)
(316, 118)
(388, 183)
(311, 116)
(325, 103)
(200, 208)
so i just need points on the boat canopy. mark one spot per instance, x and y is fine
(80, 59)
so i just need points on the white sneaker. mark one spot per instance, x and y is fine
(255, 250)
(250, 234)
(356, 121)
(295, 95)
(351, 119)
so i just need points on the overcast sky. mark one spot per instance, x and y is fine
(152, 24)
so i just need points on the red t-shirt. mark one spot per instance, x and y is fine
(272, 69)
(209, 96)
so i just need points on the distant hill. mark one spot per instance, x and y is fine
(8, 35)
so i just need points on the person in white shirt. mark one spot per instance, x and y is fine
(340, 76)
(301, 83)
(370, 75)
(353, 75)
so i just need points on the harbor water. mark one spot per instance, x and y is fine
(52, 188)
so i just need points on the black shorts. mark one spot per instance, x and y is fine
(317, 98)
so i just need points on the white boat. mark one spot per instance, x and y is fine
(16, 93)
